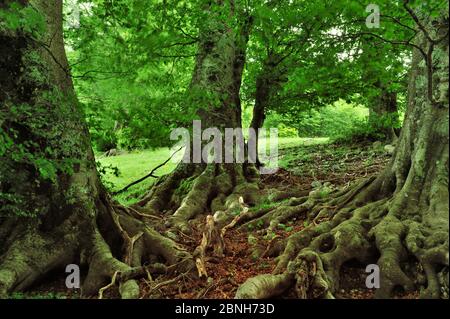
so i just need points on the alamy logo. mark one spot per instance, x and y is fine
(373, 19)
(73, 279)
(373, 280)
(210, 145)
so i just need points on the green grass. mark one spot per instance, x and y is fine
(287, 142)
(137, 164)
(47, 295)
(133, 166)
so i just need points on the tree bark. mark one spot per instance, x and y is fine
(219, 66)
(42, 122)
(383, 114)
(197, 188)
(262, 98)
(267, 83)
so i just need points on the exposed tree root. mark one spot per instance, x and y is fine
(30, 257)
(213, 237)
(264, 286)
(378, 232)
(191, 191)
(123, 243)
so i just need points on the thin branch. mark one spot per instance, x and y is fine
(113, 74)
(429, 55)
(47, 48)
(187, 34)
(417, 21)
(397, 21)
(393, 42)
(148, 175)
(112, 283)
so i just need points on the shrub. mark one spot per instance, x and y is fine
(338, 121)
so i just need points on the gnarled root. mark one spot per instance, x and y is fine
(95, 242)
(265, 286)
(32, 255)
(103, 266)
(356, 227)
(212, 188)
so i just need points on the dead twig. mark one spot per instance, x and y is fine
(112, 283)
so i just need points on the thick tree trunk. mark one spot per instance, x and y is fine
(219, 66)
(418, 176)
(42, 203)
(54, 210)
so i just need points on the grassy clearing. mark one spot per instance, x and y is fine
(136, 164)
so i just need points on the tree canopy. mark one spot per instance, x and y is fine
(132, 61)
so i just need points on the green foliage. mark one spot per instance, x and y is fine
(275, 120)
(104, 171)
(285, 131)
(340, 120)
(47, 169)
(22, 18)
(381, 122)
(35, 151)
(132, 95)
(37, 148)
(133, 62)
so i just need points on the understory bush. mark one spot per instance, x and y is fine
(338, 121)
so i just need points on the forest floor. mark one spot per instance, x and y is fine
(304, 163)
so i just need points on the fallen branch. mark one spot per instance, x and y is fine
(244, 211)
(123, 276)
(148, 175)
(211, 238)
(214, 237)
(112, 283)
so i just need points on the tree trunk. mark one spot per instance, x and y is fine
(267, 83)
(383, 114)
(54, 210)
(219, 66)
(193, 189)
(262, 98)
